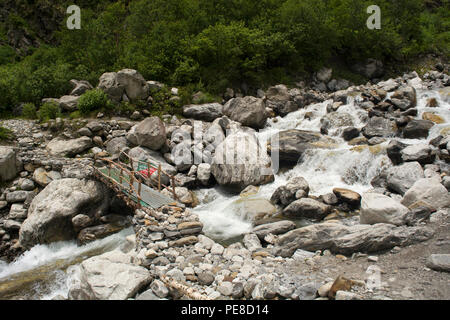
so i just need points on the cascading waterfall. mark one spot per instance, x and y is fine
(343, 166)
(40, 273)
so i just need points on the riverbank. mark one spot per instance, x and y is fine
(362, 192)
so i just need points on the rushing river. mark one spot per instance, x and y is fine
(44, 271)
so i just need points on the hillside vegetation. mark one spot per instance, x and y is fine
(204, 44)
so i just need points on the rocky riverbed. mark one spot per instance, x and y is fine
(340, 193)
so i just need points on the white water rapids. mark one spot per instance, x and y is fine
(41, 273)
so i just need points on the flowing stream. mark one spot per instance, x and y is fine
(42, 272)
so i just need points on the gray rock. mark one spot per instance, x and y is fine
(110, 276)
(116, 145)
(109, 83)
(378, 208)
(225, 288)
(134, 84)
(417, 129)
(43, 178)
(439, 262)
(68, 148)
(307, 208)
(429, 191)
(205, 278)
(274, 228)
(239, 161)
(148, 295)
(204, 173)
(349, 239)
(8, 164)
(69, 103)
(205, 112)
(420, 152)
(284, 195)
(249, 111)
(17, 212)
(11, 225)
(379, 127)
(150, 133)
(17, 196)
(251, 242)
(394, 151)
(293, 144)
(80, 87)
(51, 211)
(402, 177)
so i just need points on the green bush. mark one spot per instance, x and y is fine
(93, 100)
(48, 110)
(29, 111)
(5, 134)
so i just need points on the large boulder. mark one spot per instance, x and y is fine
(80, 87)
(379, 127)
(8, 164)
(292, 144)
(240, 161)
(417, 129)
(109, 83)
(346, 240)
(69, 103)
(110, 276)
(51, 211)
(407, 94)
(252, 209)
(307, 208)
(378, 208)
(134, 84)
(420, 152)
(274, 228)
(116, 145)
(68, 148)
(284, 195)
(150, 133)
(402, 177)
(249, 111)
(279, 100)
(205, 112)
(429, 191)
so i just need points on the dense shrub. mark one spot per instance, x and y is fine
(49, 110)
(93, 100)
(5, 134)
(29, 111)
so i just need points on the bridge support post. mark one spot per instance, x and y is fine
(159, 177)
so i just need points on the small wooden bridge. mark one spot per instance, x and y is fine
(140, 188)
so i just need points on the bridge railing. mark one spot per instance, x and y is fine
(146, 172)
(123, 174)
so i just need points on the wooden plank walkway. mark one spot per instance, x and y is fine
(137, 193)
